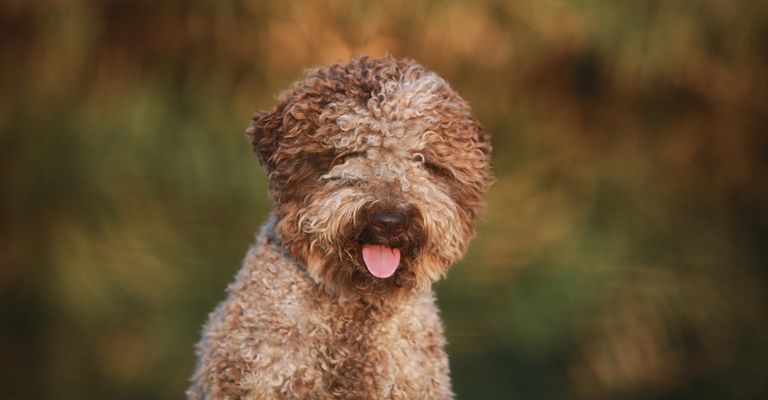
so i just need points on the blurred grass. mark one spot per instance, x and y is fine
(623, 253)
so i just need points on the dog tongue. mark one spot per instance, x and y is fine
(381, 261)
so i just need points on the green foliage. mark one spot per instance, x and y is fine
(622, 254)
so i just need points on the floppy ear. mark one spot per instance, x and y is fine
(264, 133)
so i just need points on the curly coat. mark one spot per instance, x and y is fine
(306, 317)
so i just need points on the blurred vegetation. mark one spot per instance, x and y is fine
(624, 252)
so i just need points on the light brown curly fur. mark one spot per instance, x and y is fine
(304, 318)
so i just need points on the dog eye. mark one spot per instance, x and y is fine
(341, 182)
(344, 156)
(438, 170)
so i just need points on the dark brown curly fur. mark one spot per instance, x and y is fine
(374, 152)
(291, 141)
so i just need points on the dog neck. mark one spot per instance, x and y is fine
(269, 233)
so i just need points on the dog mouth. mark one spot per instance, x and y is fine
(385, 247)
(382, 257)
(380, 260)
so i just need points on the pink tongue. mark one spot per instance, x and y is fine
(381, 261)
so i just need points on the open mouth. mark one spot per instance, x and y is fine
(389, 242)
(381, 261)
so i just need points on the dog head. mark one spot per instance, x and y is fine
(377, 170)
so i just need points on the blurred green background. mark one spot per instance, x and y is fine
(623, 254)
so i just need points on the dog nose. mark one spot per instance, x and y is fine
(389, 221)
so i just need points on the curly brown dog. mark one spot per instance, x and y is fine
(377, 170)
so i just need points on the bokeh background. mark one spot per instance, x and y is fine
(623, 254)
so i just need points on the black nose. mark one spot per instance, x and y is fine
(389, 221)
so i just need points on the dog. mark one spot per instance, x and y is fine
(377, 170)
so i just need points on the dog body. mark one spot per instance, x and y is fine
(309, 344)
(377, 171)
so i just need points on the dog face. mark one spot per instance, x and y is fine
(377, 170)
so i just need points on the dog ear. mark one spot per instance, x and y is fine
(263, 135)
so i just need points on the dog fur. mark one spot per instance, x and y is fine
(371, 152)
